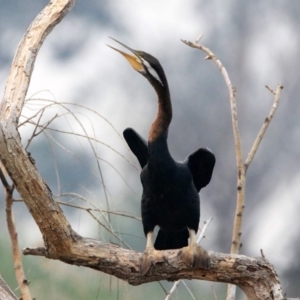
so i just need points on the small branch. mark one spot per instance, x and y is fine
(214, 292)
(241, 178)
(265, 125)
(3, 179)
(173, 289)
(35, 129)
(190, 292)
(40, 251)
(38, 126)
(18, 266)
(202, 233)
(100, 210)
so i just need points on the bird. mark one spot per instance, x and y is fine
(170, 197)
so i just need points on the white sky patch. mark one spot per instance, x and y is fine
(159, 24)
(273, 231)
(152, 71)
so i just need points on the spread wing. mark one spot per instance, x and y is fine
(201, 164)
(137, 145)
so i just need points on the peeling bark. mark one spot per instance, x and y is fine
(255, 276)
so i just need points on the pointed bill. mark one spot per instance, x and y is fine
(135, 61)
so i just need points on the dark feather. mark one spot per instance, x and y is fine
(201, 164)
(137, 145)
(171, 240)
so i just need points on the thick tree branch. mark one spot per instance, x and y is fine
(14, 158)
(23, 63)
(256, 276)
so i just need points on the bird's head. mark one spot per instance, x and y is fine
(145, 64)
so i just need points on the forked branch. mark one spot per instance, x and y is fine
(241, 167)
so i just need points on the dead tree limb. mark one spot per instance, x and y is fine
(18, 265)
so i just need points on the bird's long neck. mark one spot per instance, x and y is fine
(158, 152)
(160, 126)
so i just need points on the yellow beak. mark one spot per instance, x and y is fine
(135, 61)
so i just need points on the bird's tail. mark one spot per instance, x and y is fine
(171, 240)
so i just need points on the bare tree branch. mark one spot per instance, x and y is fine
(241, 167)
(241, 179)
(256, 276)
(22, 66)
(18, 265)
(265, 125)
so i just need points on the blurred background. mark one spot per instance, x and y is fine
(86, 89)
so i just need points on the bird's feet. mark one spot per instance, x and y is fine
(150, 257)
(195, 256)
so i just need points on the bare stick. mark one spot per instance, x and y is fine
(241, 179)
(18, 266)
(238, 148)
(41, 127)
(240, 202)
(188, 289)
(214, 292)
(241, 167)
(265, 125)
(202, 233)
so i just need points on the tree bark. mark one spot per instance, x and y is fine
(255, 276)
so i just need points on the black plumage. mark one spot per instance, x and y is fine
(170, 189)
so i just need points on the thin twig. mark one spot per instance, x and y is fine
(117, 213)
(265, 125)
(189, 290)
(214, 292)
(241, 167)
(109, 230)
(238, 147)
(202, 233)
(18, 266)
(30, 118)
(100, 210)
(173, 289)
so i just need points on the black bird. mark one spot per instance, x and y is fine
(170, 189)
